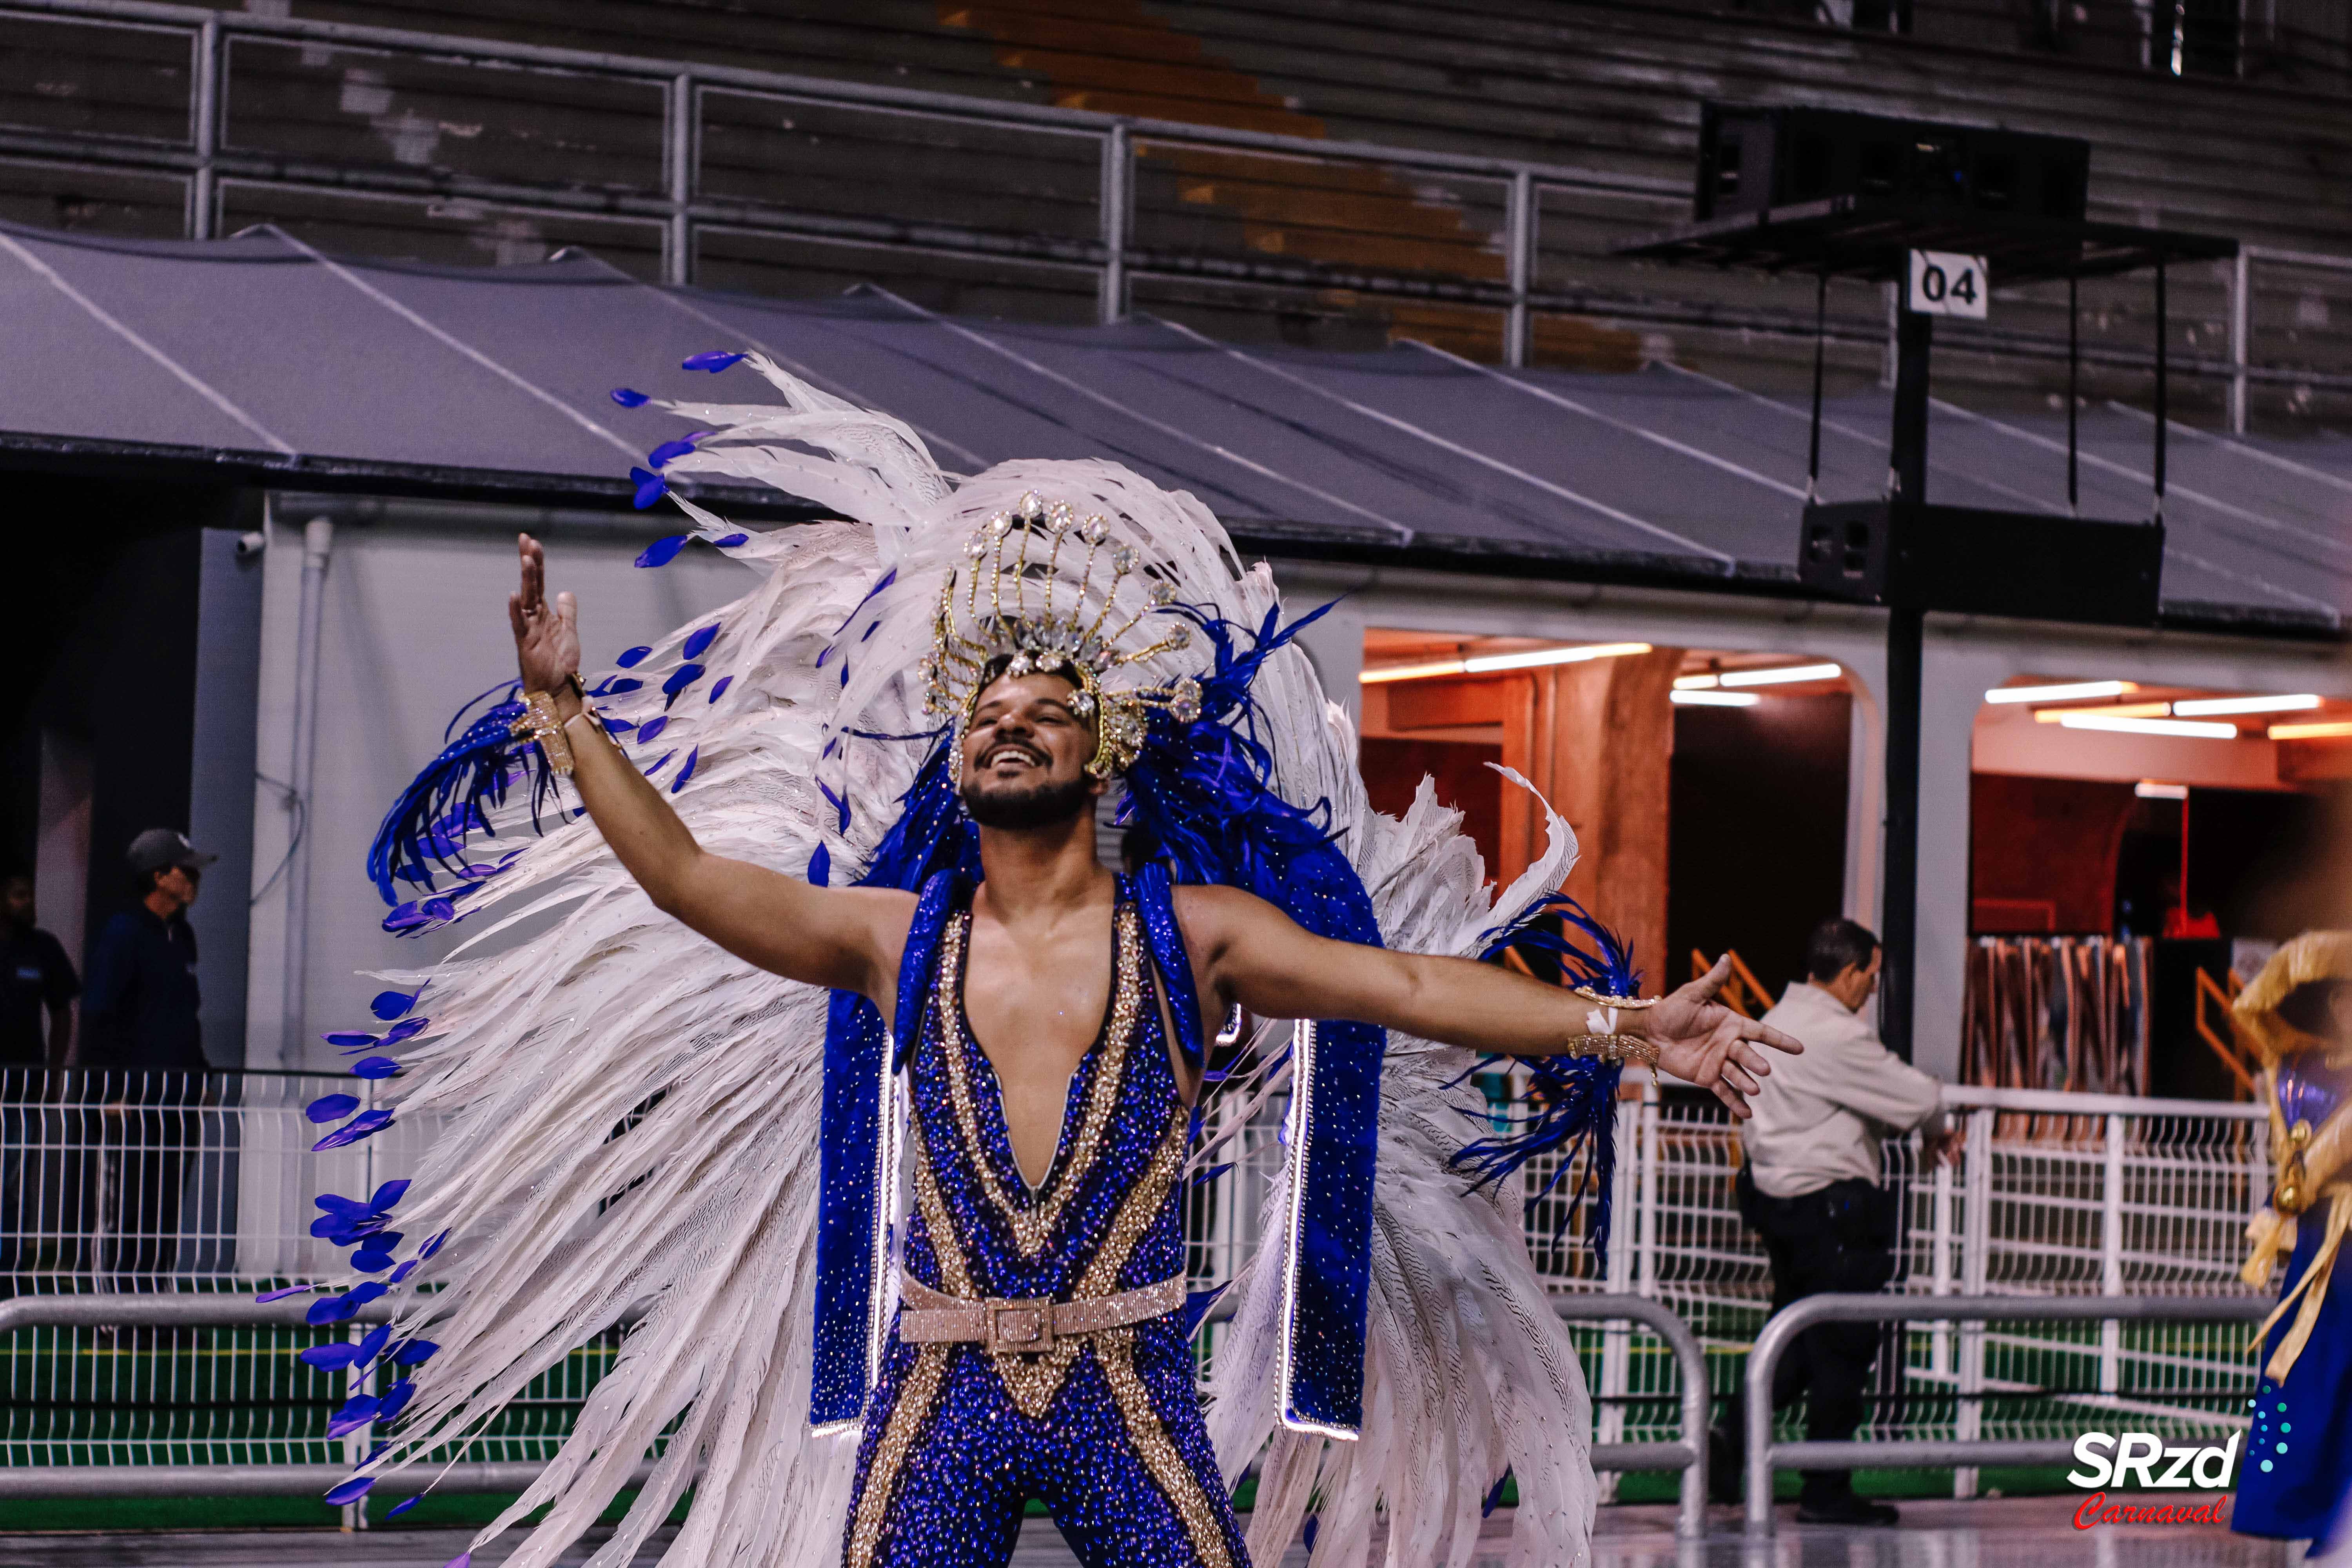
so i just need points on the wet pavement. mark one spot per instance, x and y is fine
(2004, 1532)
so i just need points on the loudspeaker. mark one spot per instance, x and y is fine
(1968, 560)
(1753, 159)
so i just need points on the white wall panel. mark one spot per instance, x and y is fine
(415, 623)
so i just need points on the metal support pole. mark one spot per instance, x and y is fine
(1914, 338)
(318, 543)
(2111, 1253)
(355, 1442)
(1821, 343)
(1940, 1272)
(1906, 630)
(1645, 1238)
(1907, 635)
(1117, 197)
(2163, 417)
(2241, 325)
(1976, 1271)
(1519, 335)
(2074, 394)
(677, 137)
(205, 127)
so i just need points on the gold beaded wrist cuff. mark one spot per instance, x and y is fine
(1614, 1048)
(1627, 1003)
(538, 721)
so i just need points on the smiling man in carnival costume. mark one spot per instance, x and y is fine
(843, 1061)
(2296, 1477)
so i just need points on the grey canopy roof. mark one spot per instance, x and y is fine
(260, 358)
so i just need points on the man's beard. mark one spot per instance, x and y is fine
(1045, 805)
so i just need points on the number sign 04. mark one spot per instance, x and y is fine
(1945, 283)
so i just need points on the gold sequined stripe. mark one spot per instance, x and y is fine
(1115, 1354)
(1135, 1212)
(1032, 1226)
(909, 1417)
(955, 1275)
(1031, 1381)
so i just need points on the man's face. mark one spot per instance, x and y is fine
(1854, 985)
(181, 883)
(17, 901)
(1865, 980)
(1025, 755)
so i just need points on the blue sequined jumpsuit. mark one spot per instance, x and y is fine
(2296, 1481)
(1106, 1430)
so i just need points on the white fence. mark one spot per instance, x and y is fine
(117, 1184)
(2052, 1195)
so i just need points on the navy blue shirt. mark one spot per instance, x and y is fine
(140, 1010)
(35, 974)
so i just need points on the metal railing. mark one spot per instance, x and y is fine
(2056, 1196)
(721, 175)
(1686, 1453)
(1764, 1455)
(2161, 37)
(674, 124)
(132, 1181)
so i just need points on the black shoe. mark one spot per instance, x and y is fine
(1725, 1483)
(1847, 1508)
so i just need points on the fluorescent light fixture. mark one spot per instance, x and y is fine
(1488, 664)
(1534, 658)
(2189, 729)
(2119, 710)
(2302, 701)
(2326, 730)
(1697, 682)
(1714, 699)
(1782, 674)
(1378, 673)
(2075, 691)
(2153, 789)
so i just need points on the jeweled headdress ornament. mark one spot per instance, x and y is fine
(985, 613)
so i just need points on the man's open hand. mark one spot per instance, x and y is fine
(547, 636)
(1701, 1041)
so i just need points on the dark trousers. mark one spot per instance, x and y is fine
(1840, 1238)
(149, 1126)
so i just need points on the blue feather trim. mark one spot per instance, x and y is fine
(1572, 1110)
(428, 824)
(1606, 967)
(1572, 1100)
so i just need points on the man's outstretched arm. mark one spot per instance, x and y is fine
(1253, 954)
(847, 938)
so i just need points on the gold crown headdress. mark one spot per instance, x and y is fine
(1019, 553)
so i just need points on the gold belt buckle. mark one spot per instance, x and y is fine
(1019, 1326)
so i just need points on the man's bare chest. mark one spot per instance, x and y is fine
(1036, 1008)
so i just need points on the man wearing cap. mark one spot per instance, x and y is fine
(142, 1039)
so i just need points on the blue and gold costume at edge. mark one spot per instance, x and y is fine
(2296, 1481)
(1105, 1427)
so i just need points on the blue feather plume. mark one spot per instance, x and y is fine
(1573, 1100)
(451, 797)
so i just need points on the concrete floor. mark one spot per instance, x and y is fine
(2007, 1532)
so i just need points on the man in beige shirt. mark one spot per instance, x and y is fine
(1810, 1189)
